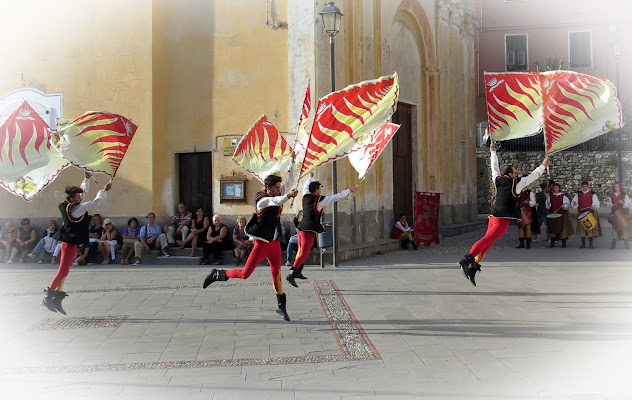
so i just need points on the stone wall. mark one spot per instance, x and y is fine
(567, 168)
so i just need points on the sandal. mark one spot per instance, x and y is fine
(204, 262)
(217, 262)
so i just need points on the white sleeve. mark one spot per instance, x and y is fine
(85, 185)
(626, 202)
(271, 202)
(495, 168)
(531, 199)
(567, 203)
(306, 187)
(548, 202)
(85, 206)
(575, 201)
(595, 201)
(333, 198)
(529, 179)
(289, 180)
(399, 226)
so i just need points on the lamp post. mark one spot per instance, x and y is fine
(616, 49)
(331, 22)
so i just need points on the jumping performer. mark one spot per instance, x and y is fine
(508, 189)
(73, 232)
(313, 204)
(265, 228)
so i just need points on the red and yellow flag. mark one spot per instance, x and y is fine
(96, 141)
(363, 158)
(28, 162)
(345, 119)
(571, 107)
(577, 108)
(262, 151)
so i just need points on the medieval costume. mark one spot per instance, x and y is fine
(73, 232)
(264, 228)
(505, 209)
(313, 204)
(558, 227)
(619, 216)
(586, 201)
(526, 202)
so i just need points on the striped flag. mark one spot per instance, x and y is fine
(96, 141)
(572, 108)
(345, 119)
(262, 151)
(363, 158)
(577, 108)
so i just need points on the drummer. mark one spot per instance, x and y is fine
(586, 201)
(527, 200)
(620, 202)
(557, 203)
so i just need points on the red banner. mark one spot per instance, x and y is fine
(427, 218)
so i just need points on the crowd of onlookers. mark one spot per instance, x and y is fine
(184, 230)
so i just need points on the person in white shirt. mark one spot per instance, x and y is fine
(527, 200)
(73, 232)
(586, 201)
(403, 232)
(557, 203)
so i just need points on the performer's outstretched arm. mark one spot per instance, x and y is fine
(80, 209)
(534, 176)
(333, 198)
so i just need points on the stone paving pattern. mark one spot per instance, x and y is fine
(542, 324)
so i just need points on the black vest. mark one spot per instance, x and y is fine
(264, 225)
(311, 216)
(506, 199)
(73, 231)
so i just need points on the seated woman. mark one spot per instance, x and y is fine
(242, 241)
(131, 235)
(217, 240)
(46, 244)
(403, 232)
(81, 256)
(7, 239)
(96, 231)
(197, 235)
(109, 240)
(25, 241)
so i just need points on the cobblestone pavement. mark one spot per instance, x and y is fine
(542, 324)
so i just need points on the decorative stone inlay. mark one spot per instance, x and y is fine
(50, 324)
(346, 329)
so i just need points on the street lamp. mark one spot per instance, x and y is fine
(331, 22)
(616, 49)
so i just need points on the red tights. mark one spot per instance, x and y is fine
(261, 250)
(305, 242)
(495, 229)
(68, 251)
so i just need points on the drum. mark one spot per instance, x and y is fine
(588, 220)
(555, 223)
(526, 217)
(619, 220)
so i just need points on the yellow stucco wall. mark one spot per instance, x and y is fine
(191, 72)
(99, 57)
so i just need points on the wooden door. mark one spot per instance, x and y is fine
(195, 177)
(403, 163)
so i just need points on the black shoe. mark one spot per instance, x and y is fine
(58, 296)
(299, 273)
(471, 272)
(281, 306)
(552, 243)
(291, 277)
(563, 243)
(215, 275)
(47, 301)
(414, 246)
(465, 263)
(528, 243)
